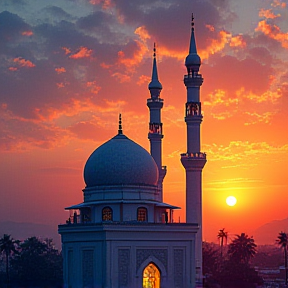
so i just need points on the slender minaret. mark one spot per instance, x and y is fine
(194, 160)
(155, 104)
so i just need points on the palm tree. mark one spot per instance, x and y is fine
(282, 241)
(242, 248)
(222, 235)
(8, 245)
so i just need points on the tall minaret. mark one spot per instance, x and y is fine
(194, 160)
(155, 104)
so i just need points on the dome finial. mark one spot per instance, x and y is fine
(120, 125)
(192, 22)
(154, 49)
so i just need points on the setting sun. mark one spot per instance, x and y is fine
(231, 201)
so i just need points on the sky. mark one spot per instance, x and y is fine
(69, 67)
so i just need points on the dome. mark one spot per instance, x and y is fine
(120, 161)
(155, 84)
(193, 59)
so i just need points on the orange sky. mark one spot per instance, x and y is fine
(66, 74)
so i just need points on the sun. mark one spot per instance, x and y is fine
(231, 201)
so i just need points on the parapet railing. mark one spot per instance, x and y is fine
(201, 155)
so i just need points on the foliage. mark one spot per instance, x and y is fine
(282, 241)
(210, 263)
(35, 263)
(233, 270)
(242, 248)
(8, 246)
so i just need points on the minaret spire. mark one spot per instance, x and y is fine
(193, 48)
(194, 160)
(155, 104)
(120, 125)
(155, 86)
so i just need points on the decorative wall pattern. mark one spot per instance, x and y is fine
(123, 267)
(160, 254)
(87, 268)
(178, 268)
(70, 268)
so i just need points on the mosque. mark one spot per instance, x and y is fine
(123, 234)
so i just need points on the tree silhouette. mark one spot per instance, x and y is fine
(8, 246)
(38, 264)
(222, 235)
(242, 248)
(282, 241)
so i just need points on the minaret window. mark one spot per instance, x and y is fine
(155, 128)
(142, 214)
(107, 214)
(193, 109)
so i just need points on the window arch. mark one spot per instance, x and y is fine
(151, 276)
(107, 214)
(142, 214)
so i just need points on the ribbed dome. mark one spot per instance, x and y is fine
(120, 161)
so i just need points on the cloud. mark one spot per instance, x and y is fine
(60, 70)
(83, 52)
(273, 32)
(244, 151)
(23, 63)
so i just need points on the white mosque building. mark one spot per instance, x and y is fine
(123, 235)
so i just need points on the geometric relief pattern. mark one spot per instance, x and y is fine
(70, 268)
(87, 268)
(160, 254)
(178, 268)
(123, 267)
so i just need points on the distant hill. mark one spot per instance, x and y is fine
(22, 231)
(267, 234)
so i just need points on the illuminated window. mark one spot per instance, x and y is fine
(141, 214)
(151, 276)
(107, 214)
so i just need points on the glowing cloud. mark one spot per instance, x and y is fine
(23, 63)
(277, 3)
(273, 32)
(27, 33)
(105, 3)
(66, 50)
(268, 14)
(83, 52)
(216, 45)
(122, 77)
(237, 41)
(143, 79)
(93, 87)
(60, 70)
(139, 53)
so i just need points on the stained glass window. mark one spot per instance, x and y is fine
(151, 276)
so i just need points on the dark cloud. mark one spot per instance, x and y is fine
(11, 26)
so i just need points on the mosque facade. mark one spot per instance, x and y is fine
(123, 235)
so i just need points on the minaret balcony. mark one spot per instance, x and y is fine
(195, 80)
(154, 100)
(193, 161)
(201, 155)
(156, 103)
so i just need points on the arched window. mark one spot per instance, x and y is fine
(107, 214)
(142, 214)
(151, 276)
